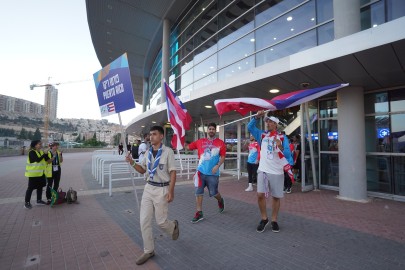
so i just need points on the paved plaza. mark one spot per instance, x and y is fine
(317, 230)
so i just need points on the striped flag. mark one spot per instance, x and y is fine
(178, 117)
(245, 105)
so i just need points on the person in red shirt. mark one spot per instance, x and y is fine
(211, 154)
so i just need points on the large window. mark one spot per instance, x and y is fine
(290, 24)
(385, 141)
(291, 46)
(374, 13)
(395, 9)
(329, 142)
(214, 40)
(238, 50)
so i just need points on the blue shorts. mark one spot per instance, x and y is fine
(209, 181)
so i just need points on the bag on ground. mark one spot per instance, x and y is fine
(58, 197)
(71, 196)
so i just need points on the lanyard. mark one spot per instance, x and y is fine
(152, 171)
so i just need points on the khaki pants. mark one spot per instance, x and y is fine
(154, 201)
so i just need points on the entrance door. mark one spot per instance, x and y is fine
(309, 138)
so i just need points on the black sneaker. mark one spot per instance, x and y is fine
(288, 190)
(41, 202)
(48, 202)
(262, 225)
(28, 205)
(274, 226)
(221, 205)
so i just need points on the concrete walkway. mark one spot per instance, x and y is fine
(318, 231)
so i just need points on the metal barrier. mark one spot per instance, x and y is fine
(189, 162)
(120, 169)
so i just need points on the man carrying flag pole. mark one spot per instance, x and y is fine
(275, 159)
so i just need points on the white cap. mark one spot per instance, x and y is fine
(272, 118)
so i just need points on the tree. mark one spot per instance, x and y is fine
(37, 135)
(117, 139)
(30, 135)
(23, 134)
(5, 132)
(62, 138)
(94, 136)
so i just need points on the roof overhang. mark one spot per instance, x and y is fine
(134, 27)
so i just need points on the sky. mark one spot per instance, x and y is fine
(48, 38)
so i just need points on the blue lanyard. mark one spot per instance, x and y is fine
(152, 171)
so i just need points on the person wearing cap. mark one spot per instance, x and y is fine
(53, 170)
(160, 168)
(275, 158)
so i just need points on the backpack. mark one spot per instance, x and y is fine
(71, 196)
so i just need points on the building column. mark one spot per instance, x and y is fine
(346, 15)
(165, 57)
(352, 147)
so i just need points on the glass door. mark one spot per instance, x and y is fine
(309, 140)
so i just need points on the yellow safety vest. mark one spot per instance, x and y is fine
(34, 169)
(48, 167)
(59, 157)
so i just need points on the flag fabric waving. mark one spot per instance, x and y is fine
(245, 105)
(178, 117)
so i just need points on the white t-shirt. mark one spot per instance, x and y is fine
(270, 161)
(143, 148)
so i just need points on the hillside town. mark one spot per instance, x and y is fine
(22, 120)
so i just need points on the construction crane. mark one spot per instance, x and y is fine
(48, 101)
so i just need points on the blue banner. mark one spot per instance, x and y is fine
(114, 87)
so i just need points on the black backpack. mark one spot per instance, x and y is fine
(71, 196)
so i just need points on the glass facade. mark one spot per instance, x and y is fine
(328, 142)
(374, 13)
(385, 141)
(215, 40)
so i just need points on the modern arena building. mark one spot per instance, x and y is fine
(215, 49)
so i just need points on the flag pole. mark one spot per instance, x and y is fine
(181, 162)
(246, 117)
(129, 166)
(202, 125)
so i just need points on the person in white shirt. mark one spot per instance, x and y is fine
(143, 147)
(275, 158)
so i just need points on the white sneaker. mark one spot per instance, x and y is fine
(250, 188)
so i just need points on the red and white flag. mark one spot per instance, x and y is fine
(245, 105)
(178, 117)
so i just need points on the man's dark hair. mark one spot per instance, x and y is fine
(158, 128)
(34, 143)
(145, 135)
(212, 125)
